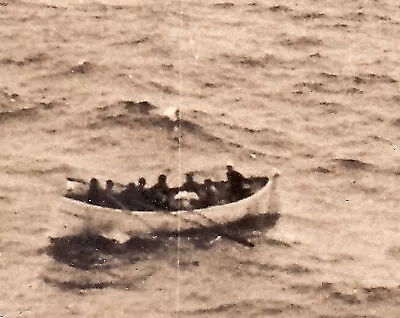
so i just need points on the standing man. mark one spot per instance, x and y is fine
(235, 184)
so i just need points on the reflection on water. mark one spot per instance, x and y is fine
(87, 250)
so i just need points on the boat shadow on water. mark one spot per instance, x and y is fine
(88, 251)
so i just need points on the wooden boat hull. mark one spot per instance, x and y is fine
(153, 221)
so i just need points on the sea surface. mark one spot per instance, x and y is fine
(89, 89)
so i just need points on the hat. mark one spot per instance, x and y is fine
(142, 180)
(229, 163)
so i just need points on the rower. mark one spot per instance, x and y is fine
(109, 195)
(209, 195)
(109, 186)
(161, 184)
(141, 188)
(160, 191)
(142, 184)
(93, 194)
(130, 196)
(190, 185)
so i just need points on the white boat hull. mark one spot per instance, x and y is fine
(153, 221)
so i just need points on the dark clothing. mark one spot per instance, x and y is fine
(132, 198)
(236, 183)
(143, 193)
(109, 199)
(159, 195)
(94, 194)
(190, 186)
(208, 196)
(235, 179)
(162, 188)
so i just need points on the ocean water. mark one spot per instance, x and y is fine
(308, 87)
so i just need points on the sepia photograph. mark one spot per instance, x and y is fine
(199, 159)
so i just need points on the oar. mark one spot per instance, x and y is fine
(226, 234)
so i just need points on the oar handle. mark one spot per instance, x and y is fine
(79, 180)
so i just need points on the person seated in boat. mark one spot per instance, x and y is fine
(236, 181)
(109, 195)
(190, 185)
(159, 193)
(209, 195)
(161, 184)
(142, 185)
(109, 186)
(94, 192)
(130, 197)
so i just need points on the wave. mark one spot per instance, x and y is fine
(167, 89)
(224, 5)
(347, 164)
(280, 8)
(142, 107)
(18, 109)
(131, 114)
(7, 117)
(353, 164)
(37, 58)
(346, 83)
(84, 68)
(254, 307)
(39, 169)
(132, 42)
(396, 122)
(300, 42)
(254, 61)
(372, 78)
(310, 16)
(394, 252)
